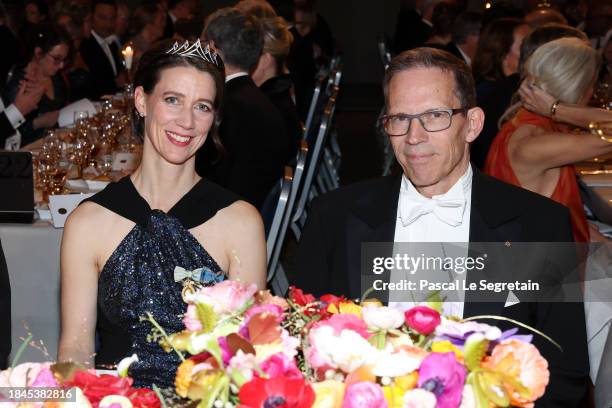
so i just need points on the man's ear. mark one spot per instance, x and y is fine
(139, 101)
(475, 122)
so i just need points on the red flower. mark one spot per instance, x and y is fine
(144, 398)
(279, 392)
(97, 387)
(423, 319)
(300, 298)
(332, 299)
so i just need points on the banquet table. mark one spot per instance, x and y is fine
(32, 255)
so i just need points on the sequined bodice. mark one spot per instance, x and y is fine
(138, 278)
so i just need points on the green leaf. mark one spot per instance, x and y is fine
(479, 396)
(474, 350)
(206, 316)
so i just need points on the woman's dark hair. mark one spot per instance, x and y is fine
(156, 60)
(48, 37)
(494, 43)
(42, 7)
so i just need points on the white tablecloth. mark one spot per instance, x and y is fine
(32, 256)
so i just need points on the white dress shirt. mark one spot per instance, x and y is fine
(104, 43)
(467, 59)
(434, 224)
(235, 75)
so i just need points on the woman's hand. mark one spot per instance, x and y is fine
(535, 99)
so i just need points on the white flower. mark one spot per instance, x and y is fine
(114, 401)
(122, 367)
(468, 399)
(394, 364)
(418, 398)
(382, 317)
(347, 351)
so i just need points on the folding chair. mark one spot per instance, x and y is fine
(281, 207)
(276, 274)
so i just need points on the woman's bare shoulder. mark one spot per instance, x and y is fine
(239, 214)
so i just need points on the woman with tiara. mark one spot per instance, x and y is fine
(121, 247)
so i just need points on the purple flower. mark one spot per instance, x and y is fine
(458, 332)
(442, 375)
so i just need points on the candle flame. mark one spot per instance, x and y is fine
(128, 51)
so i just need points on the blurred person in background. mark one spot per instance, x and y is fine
(100, 51)
(465, 34)
(148, 23)
(252, 132)
(179, 10)
(271, 76)
(187, 30)
(544, 15)
(442, 19)
(12, 52)
(36, 13)
(122, 21)
(257, 8)
(535, 152)
(495, 68)
(47, 60)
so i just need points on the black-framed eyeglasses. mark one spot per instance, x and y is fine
(432, 121)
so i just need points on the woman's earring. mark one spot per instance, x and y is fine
(142, 115)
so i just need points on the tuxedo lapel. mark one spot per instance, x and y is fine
(371, 219)
(491, 220)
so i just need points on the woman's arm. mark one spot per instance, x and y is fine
(537, 149)
(246, 244)
(540, 102)
(79, 283)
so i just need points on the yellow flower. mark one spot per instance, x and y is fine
(446, 346)
(330, 394)
(346, 307)
(183, 378)
(406, 382)
(394, 396)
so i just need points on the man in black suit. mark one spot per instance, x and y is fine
(252, 130)
(13, 116)
(465, 33)
(100, 51)
(440, 197)
(413, 27)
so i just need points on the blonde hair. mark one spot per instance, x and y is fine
(277, 39)
(564, 68)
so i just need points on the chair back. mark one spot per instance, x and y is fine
(281, 207)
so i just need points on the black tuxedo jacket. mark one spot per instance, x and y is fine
(5, 312)
(453, 49)
(255, 140)
(410, 31)
(329, 254)
(101, 72)
(6, 129)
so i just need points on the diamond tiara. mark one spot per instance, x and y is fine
(195, 51)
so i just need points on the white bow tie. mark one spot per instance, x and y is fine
(448, 210)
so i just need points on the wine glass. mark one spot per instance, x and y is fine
(602, 129)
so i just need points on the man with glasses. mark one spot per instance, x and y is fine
(431, 119)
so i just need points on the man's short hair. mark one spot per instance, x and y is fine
(466, 24)
(237, 36)
(425, 57)
(95, 3)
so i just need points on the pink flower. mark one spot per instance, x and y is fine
(442, 375)
(190, 320)
(364, 394)
(45, 378)
(22, 375)
(341, 322)
(280, 365)
(225, 297)
(419, 398)
(423, 319)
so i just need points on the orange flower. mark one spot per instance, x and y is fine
(523, 362)
(183, 377)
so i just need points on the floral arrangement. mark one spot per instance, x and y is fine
(84, 388)
(249, 349)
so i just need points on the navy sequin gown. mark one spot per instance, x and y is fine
(139, 276)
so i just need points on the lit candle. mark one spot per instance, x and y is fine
(128, 54)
